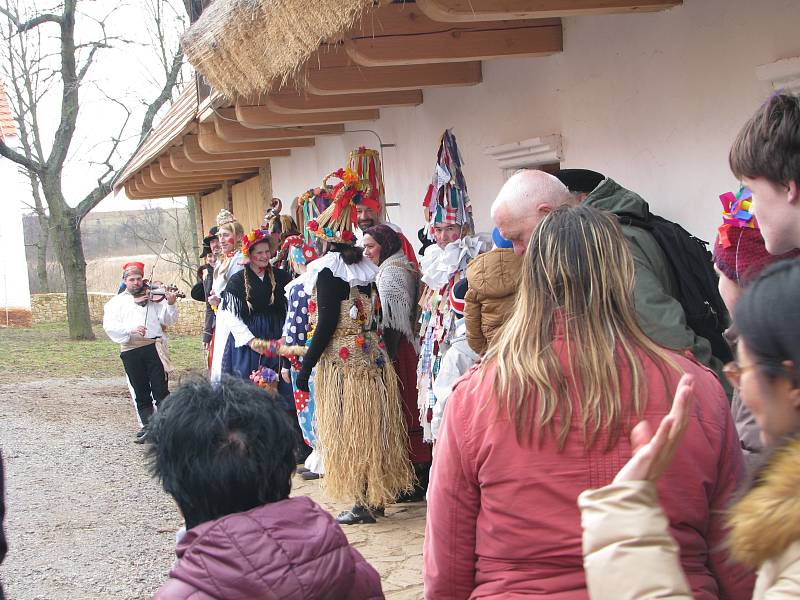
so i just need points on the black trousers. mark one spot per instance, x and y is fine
(148, 379)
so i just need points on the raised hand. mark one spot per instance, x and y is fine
(652, 454)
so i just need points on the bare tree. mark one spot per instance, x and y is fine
(74, 59)
(171, 233)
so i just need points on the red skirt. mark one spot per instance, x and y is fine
(405, 364)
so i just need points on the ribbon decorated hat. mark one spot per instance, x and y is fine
(447, 200)
(336, 223)
(739, 250)
(249, 240)
(366, 164)
(310, 205)
(298, 251)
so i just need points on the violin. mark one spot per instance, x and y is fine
(155, 292)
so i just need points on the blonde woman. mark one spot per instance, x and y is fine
(547, 414)
(230, 233)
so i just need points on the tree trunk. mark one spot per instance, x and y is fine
(41, 255)
(68, 244)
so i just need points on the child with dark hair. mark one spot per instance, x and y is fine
(766, 157)
(225, 453)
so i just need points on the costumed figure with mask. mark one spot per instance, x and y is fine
(448, 215)
(360, 425)
(230, 234)
(297, 254)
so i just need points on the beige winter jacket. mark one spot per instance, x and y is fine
(629, 555)
(493, 282)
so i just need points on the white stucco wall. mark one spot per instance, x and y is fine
(653, 100)
(14, 290)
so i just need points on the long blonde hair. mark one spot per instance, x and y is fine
(577, 282)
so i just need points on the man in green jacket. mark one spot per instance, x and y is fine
(529, 195)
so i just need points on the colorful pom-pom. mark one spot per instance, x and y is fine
(344, 353)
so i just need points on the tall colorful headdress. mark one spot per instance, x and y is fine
(447, 200)
(310, 206)
(366, 164)
(336, 223)
(224, 217)
(297, 252)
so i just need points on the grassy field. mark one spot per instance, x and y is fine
(45, 351)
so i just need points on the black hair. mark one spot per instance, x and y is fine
(350, 254)
(221, 448)
(768, 318)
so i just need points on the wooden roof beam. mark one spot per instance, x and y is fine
(301, 103)
(144, 184)
(159, 178)
(467, 11)
(260, 116)
(133, 192)
(182, 164)
(193, 151)
(230, 130)
(165, 166)
(213, 144)
(399, 34)
(355, 79)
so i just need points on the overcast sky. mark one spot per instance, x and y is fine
(128, 72)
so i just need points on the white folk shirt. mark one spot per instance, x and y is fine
(121, 315)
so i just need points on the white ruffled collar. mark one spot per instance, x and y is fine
(438, 265)
(361, 273)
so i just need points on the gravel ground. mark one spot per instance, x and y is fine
(85, 520)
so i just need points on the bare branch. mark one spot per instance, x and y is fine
(31, 23)
(20, 159)
(166, 94)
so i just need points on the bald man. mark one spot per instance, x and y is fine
(529, 195)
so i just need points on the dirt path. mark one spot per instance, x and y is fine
(86, 521)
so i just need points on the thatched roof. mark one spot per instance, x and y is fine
(244, 47)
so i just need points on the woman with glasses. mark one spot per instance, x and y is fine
(548, 414)
(624, 527)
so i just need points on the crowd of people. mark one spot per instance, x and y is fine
(577, 428)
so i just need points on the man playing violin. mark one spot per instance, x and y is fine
(134, 319)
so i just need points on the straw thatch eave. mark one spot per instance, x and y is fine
(244, 47)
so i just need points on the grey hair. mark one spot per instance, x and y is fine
(526, 189)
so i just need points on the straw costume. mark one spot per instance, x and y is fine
(360, 423)
(446, 202)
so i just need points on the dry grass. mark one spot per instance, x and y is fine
(103, 274)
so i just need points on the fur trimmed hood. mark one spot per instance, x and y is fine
(766, 520)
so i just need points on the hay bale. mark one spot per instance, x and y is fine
(247, 47)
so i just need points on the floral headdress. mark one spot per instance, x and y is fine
(336, 223)
(249, 240)
(224, 217)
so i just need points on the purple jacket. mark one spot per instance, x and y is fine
(288, 550)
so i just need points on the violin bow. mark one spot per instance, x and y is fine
(152, 274)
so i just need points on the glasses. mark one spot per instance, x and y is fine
(734, 371)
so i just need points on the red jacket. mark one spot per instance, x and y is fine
(288, 550)
(503, 520)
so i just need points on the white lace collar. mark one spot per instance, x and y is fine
(361, 273)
